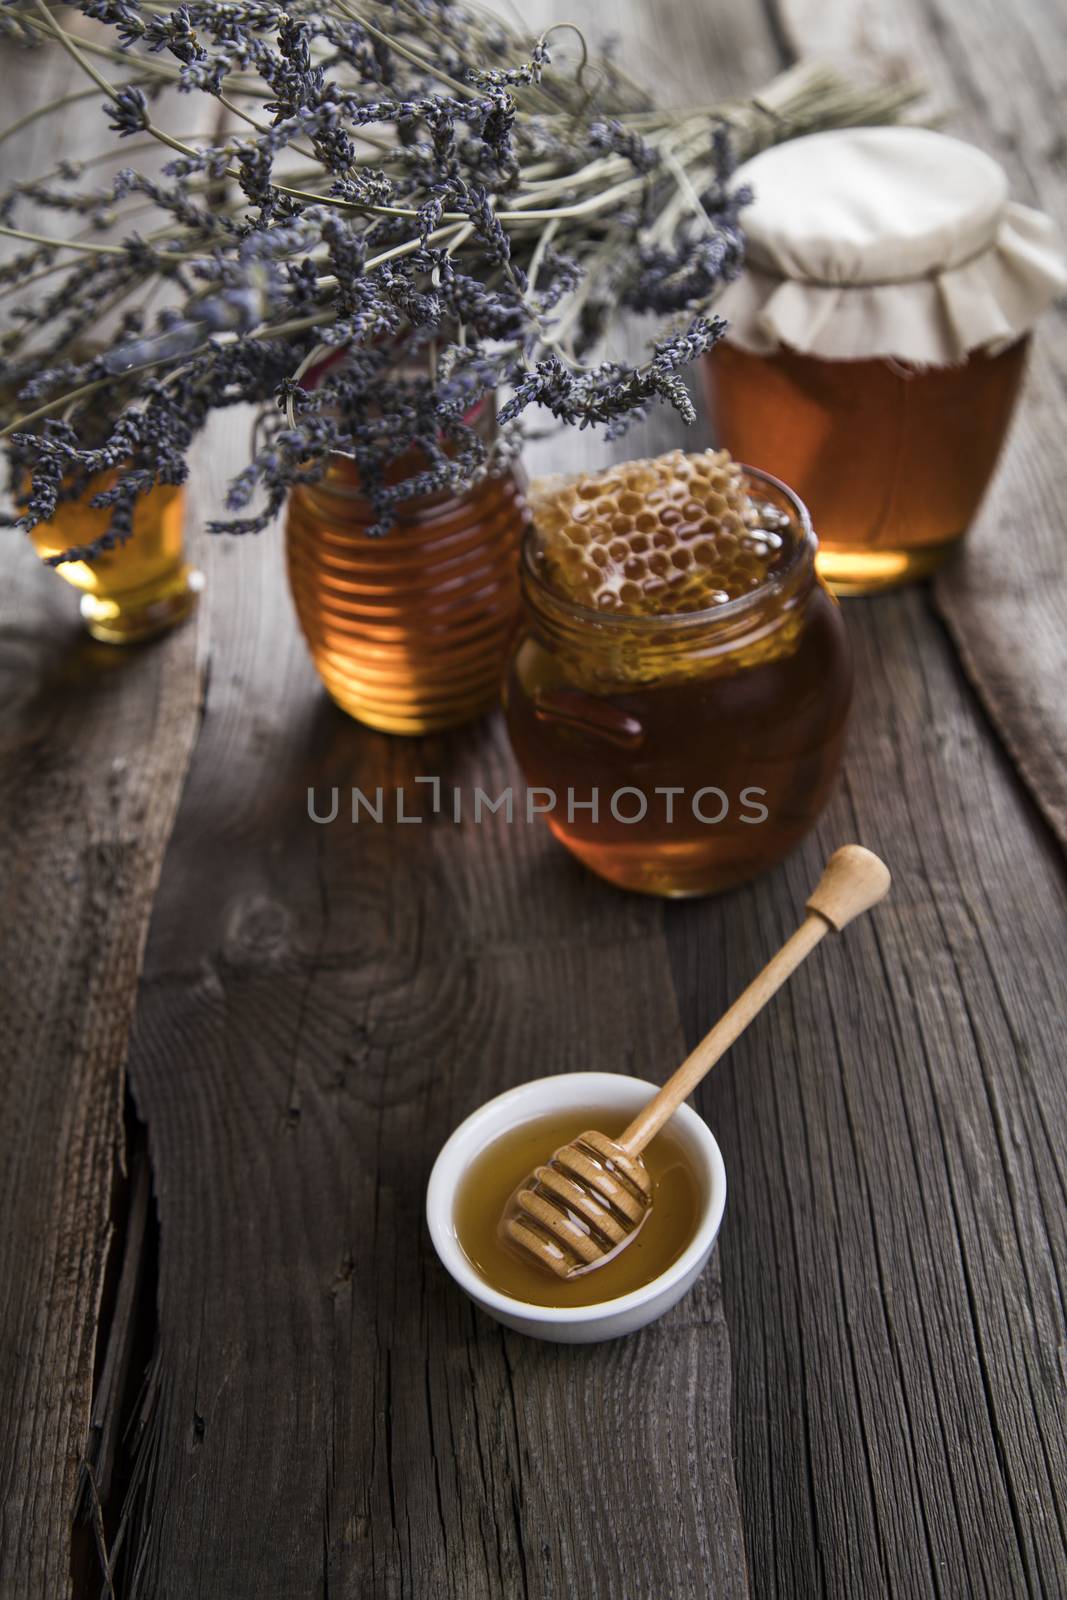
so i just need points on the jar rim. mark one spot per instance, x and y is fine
(804, 546)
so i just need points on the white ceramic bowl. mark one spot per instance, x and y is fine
(574, 1324)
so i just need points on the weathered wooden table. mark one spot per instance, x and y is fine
(232, 1042)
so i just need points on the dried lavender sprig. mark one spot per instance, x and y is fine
(485, 164)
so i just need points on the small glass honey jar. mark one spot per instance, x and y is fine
(877, 339)
(679, 687)
(139, 588)
(408, 630)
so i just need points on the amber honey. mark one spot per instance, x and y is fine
(684, 720)
(408, 631)
(891, 460)
(141, 587)
(498, 1170)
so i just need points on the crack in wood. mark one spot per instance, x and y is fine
(125, 1337)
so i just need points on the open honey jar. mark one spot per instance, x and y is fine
(877, 339)
(679, 687)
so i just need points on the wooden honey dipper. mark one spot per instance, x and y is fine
(595, 1193)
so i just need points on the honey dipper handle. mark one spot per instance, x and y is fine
(854, 880)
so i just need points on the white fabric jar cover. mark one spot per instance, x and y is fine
(887, 242)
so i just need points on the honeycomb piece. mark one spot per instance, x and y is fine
(678, 533)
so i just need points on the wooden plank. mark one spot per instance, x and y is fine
(94, 753)
(324, 1003)
(94, 744)
(894, 1252)
(895, 1244)
(998, 70)
(320, 1006)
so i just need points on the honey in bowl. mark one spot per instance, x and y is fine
(497, 1171)
(680, 682)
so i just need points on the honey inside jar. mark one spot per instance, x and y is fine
(499, 1169)
(892, 460)
(409, 631)
(138, 588)
(679, 687)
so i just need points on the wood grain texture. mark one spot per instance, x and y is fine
(321, 1004)
(94, 752)
(998, 72)
(93, 747)
(320, 1007)
(892, 1130)
(861, 1398)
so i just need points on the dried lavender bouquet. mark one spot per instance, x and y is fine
(411, 207)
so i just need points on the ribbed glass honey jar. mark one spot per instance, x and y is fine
(680, 753)
(138, 589)
(408, 630)
(877, 339)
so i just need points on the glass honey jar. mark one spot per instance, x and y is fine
(141, 587)
(877, 339)
(409, 630)
(677, 751)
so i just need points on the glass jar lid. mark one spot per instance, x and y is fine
(888, 242)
